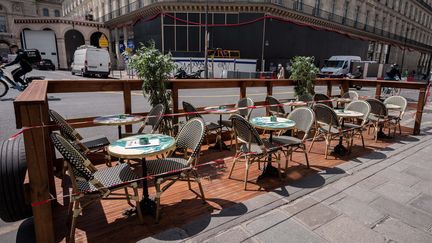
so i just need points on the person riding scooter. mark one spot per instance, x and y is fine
(393, 73)
(25, 66)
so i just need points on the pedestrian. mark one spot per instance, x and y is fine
(281, 72)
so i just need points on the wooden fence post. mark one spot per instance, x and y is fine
(242, 89)
(344, 86)
(127, 102)
(378, 91)
(35, 141)
(329, 88)
(174, 95)
(419, 113)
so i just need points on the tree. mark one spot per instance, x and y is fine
(154, 69)
(304, 71)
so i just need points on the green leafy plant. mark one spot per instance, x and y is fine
(154, 69)
(304, 71)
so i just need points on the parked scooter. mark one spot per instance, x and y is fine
(182, 74)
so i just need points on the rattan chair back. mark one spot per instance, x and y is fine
(351, 95)
(275, 107)
(378, 108)
(66, 130)
(399, 101)
(303, 117)
(189, 108)
(325, 115)
(244, 131)
(322, 99)
(191, 137)
(154, 118)
(242, 103)
(360, 106)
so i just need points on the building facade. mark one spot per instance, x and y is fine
(22, 18)
(386, 31)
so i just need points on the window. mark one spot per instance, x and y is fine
(357, 12)
(56, 13)
(45, 12)
(345, 11)
(317, 7)
(3, 24)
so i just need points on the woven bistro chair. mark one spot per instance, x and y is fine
(153, 119)
(304, 118)
(378, 116)
(396, 118)
(251, 147)
(319, 98)
(351, 95)
(211, 127)
(91, 185)
(87, 145)
(364, 108)
(169, 170)
(243, 111)
(328, 127)
(275, 107)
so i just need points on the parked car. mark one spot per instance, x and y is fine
(45, 64)
(90, 60)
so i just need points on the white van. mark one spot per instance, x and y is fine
(338, 66)
(89, 60)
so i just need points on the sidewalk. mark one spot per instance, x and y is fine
(384, 197)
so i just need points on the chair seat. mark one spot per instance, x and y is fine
(375, 118)
(334, 130)
(352, 126)
(110, 177)
(159, 166)
(226, 123)
(211, 126)
(95, 142)
(255, 148)
(287, 140)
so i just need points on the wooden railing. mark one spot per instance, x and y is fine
(31, 110)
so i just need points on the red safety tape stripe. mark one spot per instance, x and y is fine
(14, 136)
(218, 161)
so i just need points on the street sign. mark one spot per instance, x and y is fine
(103, 41)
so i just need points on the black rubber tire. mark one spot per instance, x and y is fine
(13, 167)
(6, 88)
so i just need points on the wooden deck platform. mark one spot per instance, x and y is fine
(103, 222)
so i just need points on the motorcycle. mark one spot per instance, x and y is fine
(5, 82)
(182, 74)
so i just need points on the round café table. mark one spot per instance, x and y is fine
(118, 120)
(267, 124)
(120, 150)
(220, 110)
(343, 114)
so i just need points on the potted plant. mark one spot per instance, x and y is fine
(304, 71)
(154, 69)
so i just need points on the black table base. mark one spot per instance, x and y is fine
(340, 150)
(269, 171)
(382, 135)
(219, 145)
